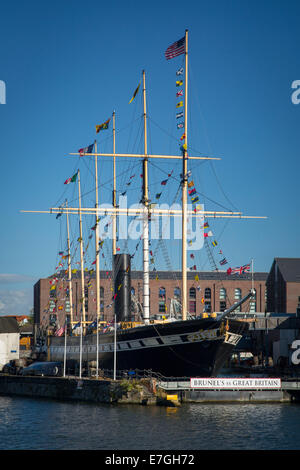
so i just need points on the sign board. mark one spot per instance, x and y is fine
(236, 383)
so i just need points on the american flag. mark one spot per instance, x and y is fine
(60, 332)
(175, 49)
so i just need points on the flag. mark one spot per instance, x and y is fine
(85, 150)
(192, 191)
(180, 71)
(205, 225)
(102, 126)
(158, 195)
(72, 179)
(179, 82)
(223, 261)
(192, 256)
(60, 332)
(196, 277)
(76, 326)
(182, 137)
(239, 270)
(179, 115)
(164, 182)
(177, 48)
(179, 105)
(179, 93)
(208, 234)
(190, 184)
(214, 243)
(93, 325)
(195, 199)
(180, 125)
(135, 93)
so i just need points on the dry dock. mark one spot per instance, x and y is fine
(143, 392)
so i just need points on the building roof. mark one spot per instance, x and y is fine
(289, 268)
(8, 325)
(177, 275)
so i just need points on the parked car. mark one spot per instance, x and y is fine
(50, 369)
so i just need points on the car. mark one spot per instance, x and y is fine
(50, 369)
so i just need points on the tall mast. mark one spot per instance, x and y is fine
(81, 254)
(97, 261)
(114, 220)
(97, 241)
(145, 216)
(69, 268)
(184, 187)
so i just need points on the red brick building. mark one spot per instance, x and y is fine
(283, 286)
(207, 292)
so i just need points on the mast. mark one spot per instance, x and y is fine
(145, 216)
(97, 240)
(114, 195)
(97, 261)
(184, 188)
(69, 267)
(81, 254)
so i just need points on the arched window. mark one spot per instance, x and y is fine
(207, 293)
(237, 293)
(177, 293)
(162, 293)
(132, 291)
(101, 292)
(192, 293)
(222, 293)
(253, 302)
(237, 297)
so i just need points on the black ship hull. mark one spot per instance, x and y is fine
(191, 348)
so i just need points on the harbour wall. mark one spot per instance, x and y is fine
(143, 392)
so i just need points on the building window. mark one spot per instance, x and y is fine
(68, 306)
(161, 307)
(237, 297)
(207, 306)
(252, 303)
(52, 319)
(162, 293)
(86, 298)
(192, 306)
(222, 294)
(132, 291)
(237, 293)
(207, 293)
(222, 306)
(177, 293)
(52, 306)
(101, 292)
(192, 293)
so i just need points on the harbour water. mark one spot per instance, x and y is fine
(38, 424)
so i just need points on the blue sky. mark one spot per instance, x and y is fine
(68, 64)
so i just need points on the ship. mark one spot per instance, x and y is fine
(181, 345)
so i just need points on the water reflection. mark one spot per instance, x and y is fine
(42, 424)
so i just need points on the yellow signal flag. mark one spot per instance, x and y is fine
(196, 277)
(179, 105)
(135, 93)
(179, 82)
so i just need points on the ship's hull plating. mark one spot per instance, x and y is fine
(191, 348)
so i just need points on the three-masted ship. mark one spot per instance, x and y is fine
(178, 347)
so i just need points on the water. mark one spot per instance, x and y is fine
(53, 425)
